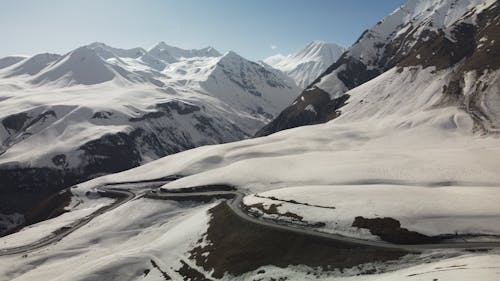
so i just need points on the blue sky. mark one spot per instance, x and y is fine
(253, 28)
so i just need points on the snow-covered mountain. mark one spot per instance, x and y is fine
(451, 36)
(99, 109)
(410, 150)
(307, 64)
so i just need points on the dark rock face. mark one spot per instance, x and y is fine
(351, 72)
(166, 109)
(110, 153)
(439, 51)
(34, 193)
(463, 45)
(314, 106)
(102, 115)
(15, 122)
(181, 109)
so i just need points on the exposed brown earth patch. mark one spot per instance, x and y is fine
(389, 229)
(235, 246)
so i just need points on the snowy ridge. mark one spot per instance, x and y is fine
(170, 54)
(107, 52)
(8, 61)
(307, 64)
(30, 66)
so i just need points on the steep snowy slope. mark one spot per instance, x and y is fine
(92, 112)
(262, 87)
(441, 34)
(307, 64)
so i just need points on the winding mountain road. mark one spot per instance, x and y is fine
(235, 204)
(124, 195)
(110, 190)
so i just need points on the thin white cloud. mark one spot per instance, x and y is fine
(273, 47)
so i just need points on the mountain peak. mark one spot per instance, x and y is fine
(317, 43)
(320, 50)
(231, 55)
(160, 45)
(308, 63)
(97, 44)
(82, 50)
(80, 66)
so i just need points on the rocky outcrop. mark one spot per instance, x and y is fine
(314, 106)
(389, 229)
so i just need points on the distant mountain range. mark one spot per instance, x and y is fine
(100, 109)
